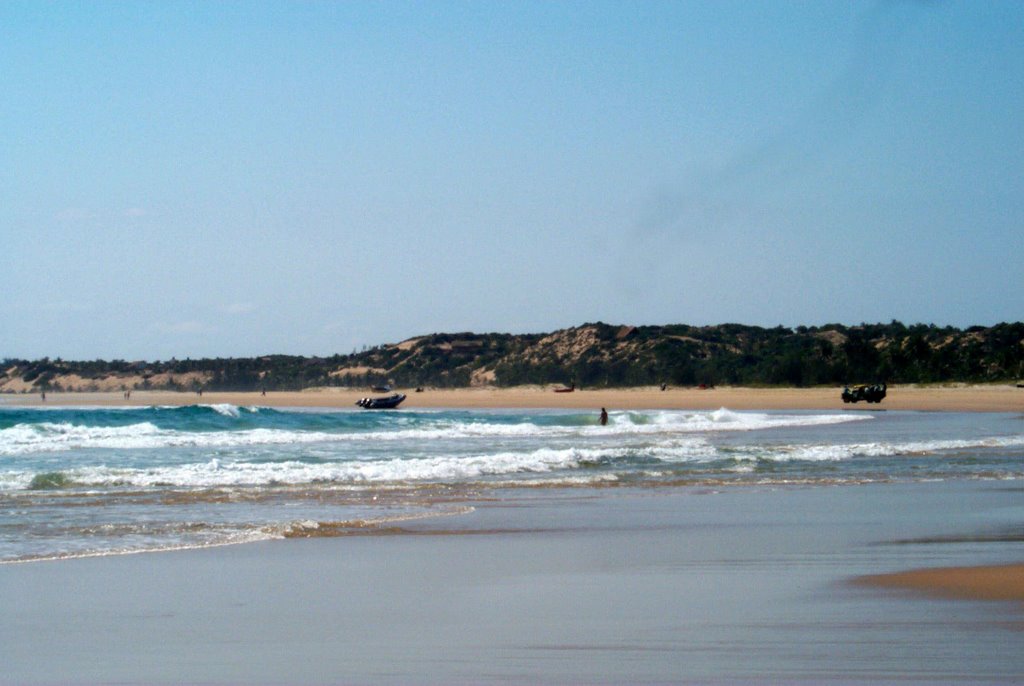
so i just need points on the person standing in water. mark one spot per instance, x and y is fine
(604, 416)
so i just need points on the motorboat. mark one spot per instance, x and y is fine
(386, 403)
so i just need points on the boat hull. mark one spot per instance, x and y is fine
(387, 403)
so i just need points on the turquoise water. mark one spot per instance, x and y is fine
(97, 481)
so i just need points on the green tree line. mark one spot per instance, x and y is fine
(597, 354)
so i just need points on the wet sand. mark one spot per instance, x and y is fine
(998, 582)
(743, 586)
(963, 398)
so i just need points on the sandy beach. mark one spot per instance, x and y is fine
(961, 398)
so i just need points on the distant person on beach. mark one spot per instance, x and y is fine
(42, 394)
(604, 416)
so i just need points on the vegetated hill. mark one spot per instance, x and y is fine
(589, 355)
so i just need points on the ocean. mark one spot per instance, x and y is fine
(81, 482)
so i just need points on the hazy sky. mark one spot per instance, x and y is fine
(231, 179)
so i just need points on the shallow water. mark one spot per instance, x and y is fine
(95, 481)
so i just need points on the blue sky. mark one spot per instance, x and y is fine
(231, 179)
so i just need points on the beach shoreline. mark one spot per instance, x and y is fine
(371, 570)
(956, 398)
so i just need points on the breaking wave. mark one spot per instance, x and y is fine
(203, 426)
(693, 453)
(840, 452)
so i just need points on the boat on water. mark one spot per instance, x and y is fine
(386, 403)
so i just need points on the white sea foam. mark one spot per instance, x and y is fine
(625, 423)
(50, 436)
(292, 472)
(46, 437)
(225, 409)
(847, 451)
(723, 419)
(217, 472)
(234, 538)
(222, 473)
(692, 449)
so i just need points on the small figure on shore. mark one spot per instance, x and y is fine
(604, 416)
(263, 391)
(42, 394)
